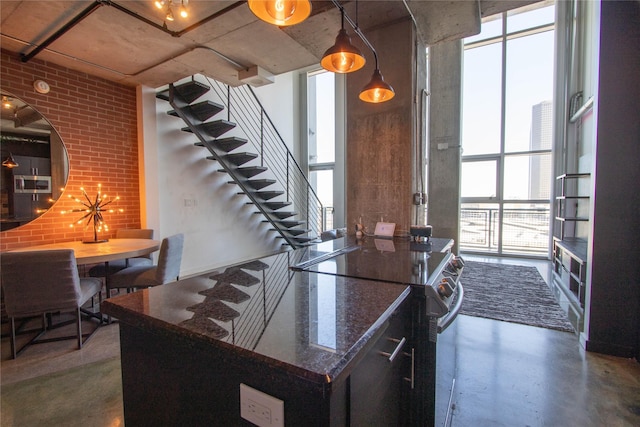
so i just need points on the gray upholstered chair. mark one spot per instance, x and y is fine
(167, 270)
(102, 270)
(38, 283)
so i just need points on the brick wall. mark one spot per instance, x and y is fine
(96, 120)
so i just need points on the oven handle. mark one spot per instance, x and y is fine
(453, 313)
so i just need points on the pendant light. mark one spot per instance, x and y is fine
(281, 12)
(10, 162)
(377, 90)
(342, 57)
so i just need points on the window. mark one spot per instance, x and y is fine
(323, 145)
(506, 172)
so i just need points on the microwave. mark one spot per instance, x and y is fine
(31, 184)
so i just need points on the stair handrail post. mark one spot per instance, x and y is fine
(228, 102)
(262, 136)
(288, 198)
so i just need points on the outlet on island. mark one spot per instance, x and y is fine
(260, 408)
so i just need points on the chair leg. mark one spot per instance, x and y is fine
(13, 338)
(79, 331)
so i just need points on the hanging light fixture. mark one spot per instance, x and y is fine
(169, 16)
(377, 90)
(168, 6)
(343, 57)
(10, 162)
(183, 10)
(6, 103)
(281, 12)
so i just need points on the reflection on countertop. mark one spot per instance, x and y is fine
(308, 324)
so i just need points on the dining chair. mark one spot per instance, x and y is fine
(107, 269)
(42, 283)
(145, 276)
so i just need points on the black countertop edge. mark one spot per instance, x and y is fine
(162, 328)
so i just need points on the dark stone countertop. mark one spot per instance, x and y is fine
(310, 325)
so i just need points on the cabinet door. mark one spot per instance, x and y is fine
(377, 383)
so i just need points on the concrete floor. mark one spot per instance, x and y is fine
(509, 375)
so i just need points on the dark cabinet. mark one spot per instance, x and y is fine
(380, 384)
(32, 166)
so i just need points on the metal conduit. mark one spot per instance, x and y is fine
(98, 3)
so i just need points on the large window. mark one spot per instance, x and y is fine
(321, 142)
(506, 133)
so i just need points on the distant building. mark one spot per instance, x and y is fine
(540, 166)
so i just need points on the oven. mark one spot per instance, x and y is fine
(436, 298)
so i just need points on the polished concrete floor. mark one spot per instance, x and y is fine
(509, 375)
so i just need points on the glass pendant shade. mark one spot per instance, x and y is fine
(342, 57)
(377, 90)
(281, 12)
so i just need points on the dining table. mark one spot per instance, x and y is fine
(95, 253)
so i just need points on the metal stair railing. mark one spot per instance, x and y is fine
(245, 109)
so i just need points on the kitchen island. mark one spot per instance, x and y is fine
(334, 349)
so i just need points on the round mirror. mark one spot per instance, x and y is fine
(35, 165)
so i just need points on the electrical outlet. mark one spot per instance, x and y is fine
(260, 408)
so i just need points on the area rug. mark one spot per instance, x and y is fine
(511, 293)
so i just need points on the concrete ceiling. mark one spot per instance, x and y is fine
(129, 42)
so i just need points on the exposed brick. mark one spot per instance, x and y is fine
(96, 119)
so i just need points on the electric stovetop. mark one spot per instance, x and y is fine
(397, 260)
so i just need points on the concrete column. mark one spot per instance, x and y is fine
(381, 138)
(443, 203)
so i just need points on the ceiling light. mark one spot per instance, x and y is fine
(281, 12)
(342, 57)
(6, 103)
(168, 6)
(10, 162)
(377, 90)
(183, 10)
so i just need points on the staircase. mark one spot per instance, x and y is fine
(259, 163)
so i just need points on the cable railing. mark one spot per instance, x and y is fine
(244, 108)
(524, 231)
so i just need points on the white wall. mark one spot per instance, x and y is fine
(188, 194)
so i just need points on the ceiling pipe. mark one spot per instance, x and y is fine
(98, 3)
(66, 27)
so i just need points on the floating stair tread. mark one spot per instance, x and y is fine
(290, 223)
(283, 214)
(189, 91)
(214, 128)
(240, 158)
(250, 171)
(274, 206)
(296, 231)
(268, 195)
(258, 184)
(304, 239)
(203, 111)
(224, 144)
